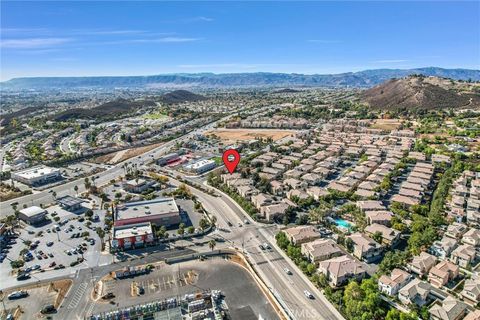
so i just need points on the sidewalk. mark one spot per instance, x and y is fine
(292, 265)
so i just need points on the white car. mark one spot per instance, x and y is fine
(287, 271)
(308, 294)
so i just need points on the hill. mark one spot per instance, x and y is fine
(179, 96)
(287, 90)
(362, 79)
(422, 92)
(106, 110)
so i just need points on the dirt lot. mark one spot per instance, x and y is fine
(116, 157)
(233, 135)
(387, 124)
(38, 296)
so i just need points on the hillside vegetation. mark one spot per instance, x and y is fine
(423, 93)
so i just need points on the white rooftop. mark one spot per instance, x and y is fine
(32, 211)
(132, 230)
(35, 172)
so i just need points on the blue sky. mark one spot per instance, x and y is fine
(142, 38)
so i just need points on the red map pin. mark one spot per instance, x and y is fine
(231, 158)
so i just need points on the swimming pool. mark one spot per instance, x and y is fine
(342, 223)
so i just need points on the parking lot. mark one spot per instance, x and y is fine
(47, 248)
(244, 298)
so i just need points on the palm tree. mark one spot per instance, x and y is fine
(76, 190)
(211, 244)
(213, 220)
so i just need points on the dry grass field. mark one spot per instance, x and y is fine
(233, 135)
(387, 124)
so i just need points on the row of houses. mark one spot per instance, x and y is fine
(464, 204)
(413, 190)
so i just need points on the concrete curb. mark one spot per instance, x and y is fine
(312, 287)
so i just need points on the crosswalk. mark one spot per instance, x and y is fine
(90, 307)
(77, 296)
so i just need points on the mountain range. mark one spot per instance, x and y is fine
(361, 79)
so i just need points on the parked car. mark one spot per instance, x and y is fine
(49, 308)
(107, 296)
(23, 276)
(17, 294)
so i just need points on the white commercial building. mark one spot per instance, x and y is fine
(32, 215)
(201, 166)
(37, 175)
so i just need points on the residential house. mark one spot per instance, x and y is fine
(317, 192)
(340, 270)
(391, 284)
(449, 309)
(471, 290)
(464, 255)
(456, 230)
(370, 205)
(320, 249)
(365, 248)
(274, 211)
(379, 217)
(247, 191)
(301, 234)
(406, 201)
(293, 183)
(422, 264)
(474, 315)
(311, 178)
(442, 273)
(277, 187)
(261, 199)
(443, 248)
(472, 237)
(390, 236)
(415, 292)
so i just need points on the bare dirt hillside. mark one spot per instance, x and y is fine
(423, 92)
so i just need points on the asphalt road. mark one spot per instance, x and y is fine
(45, 197)
(289, 289)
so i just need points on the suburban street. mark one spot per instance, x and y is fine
(45, 196)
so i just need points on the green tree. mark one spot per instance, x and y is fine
(377, 236)
(349, 244)
(211, 244)
(282, 240)
(363, 301)
(392, 260)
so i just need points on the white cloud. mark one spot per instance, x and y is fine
(30, 43)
